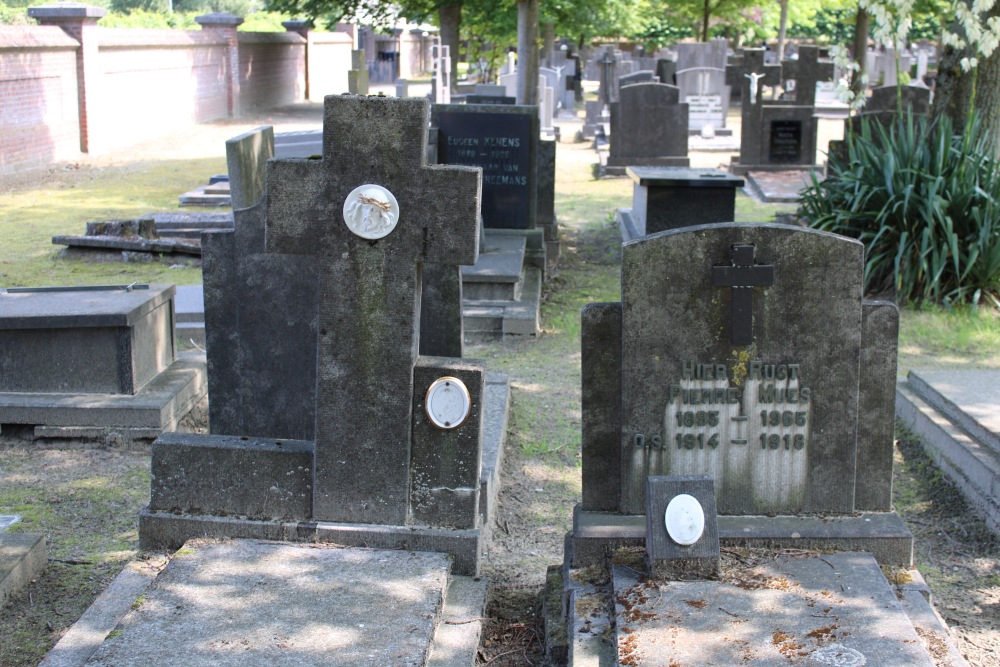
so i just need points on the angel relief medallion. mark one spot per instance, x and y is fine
(371, 211)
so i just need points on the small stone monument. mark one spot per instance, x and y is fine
(357, 76)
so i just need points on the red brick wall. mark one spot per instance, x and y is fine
(272, 70)
(39, 123)
(155, 82)
(147, 83)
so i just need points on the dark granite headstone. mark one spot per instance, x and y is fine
(666, 71)
(489, 99)
(503, 141)
(673, 197)
(641, 76)
(649, 127)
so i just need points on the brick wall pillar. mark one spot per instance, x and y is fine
(79, 21)
(304, 28)
(226, 25)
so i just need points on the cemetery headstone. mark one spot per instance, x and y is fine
(774, 135)
(807, 70)
(641, 76)
(761, 391)
(246, 156)
(398, 437)
(673, 197)
(666, 71)
(503, 141)
(682, 532)
(648, 127)
(357, 76)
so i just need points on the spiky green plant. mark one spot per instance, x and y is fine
(925, 201)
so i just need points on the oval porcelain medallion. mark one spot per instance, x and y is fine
(685, 519)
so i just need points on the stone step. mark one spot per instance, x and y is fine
(22, 558)
(498, 273)
(969, 398)
(972, 465)
(770, 609)
(252, 602)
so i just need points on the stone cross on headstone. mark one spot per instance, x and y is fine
(607, 90)
(807, 71)
(742, 276)
(373, 213)
(751, 62)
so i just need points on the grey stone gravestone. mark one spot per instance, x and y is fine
(357, 76)
(641, 76)
(377, 460)
(246, 156)
(666, 71)
(648, 127)
(761, 390)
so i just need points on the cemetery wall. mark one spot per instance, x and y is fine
(38, 103)
(136, 84)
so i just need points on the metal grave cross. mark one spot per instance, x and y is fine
(373, 212)
(742, 276)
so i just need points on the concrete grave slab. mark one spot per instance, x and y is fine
(833, 609)
(22, 558)
(252, 602)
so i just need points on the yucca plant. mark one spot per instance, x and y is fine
(925, 201)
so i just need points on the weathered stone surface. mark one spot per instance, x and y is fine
(445, 464)
(248, 602)
(813, 470)
(368, 333)
(111, 340)
(246, 157)
(600, 345)
(232, 476)
(877, 406)
(665, 557)
(833, 609)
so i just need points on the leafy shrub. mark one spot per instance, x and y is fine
(10, 15)
(926, 204)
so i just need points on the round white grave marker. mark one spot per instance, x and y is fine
(685, 519)
(448, 402)
(371, 211)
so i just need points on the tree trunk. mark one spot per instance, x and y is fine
(861, 27)
(782, 30)
(953, 89)
(450, 18)
(706, 13)
(548, 43)
(527, 51)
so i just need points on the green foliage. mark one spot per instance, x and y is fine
(925, 201)
(144, 18)
(12, 15)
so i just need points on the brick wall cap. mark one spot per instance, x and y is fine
(220, 19)
(297, 24)
(67, 10)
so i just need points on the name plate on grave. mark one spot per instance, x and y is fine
(718, 417)
(500, 143)
(786, 142)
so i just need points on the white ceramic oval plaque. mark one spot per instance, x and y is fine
(448, 402)
(371, 211)
(685, 519)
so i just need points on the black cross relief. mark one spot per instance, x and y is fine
(742, 276)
